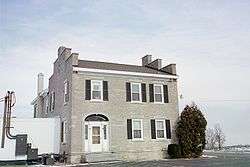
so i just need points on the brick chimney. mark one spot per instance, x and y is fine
(146, 60)
(171, 68)
(74, 59)
(40, 83)
(156, 64)
(65, 52)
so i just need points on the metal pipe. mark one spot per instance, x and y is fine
(4, 122)
(10, 105)
(8, 115)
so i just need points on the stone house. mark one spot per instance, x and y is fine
(108, 110)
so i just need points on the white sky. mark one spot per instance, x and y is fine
(208, 40)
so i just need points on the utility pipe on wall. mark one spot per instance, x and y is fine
(9, 102)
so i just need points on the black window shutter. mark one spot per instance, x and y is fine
(87, 89)
(50, 102)
(151, 92)
(143, 92)
(128, 92)
(54, 96)
(62, 127)
(105, 91)
(67, 95)
(168, 129)
(129, 128)
(153, 134)
(67, 87)
(165, 90)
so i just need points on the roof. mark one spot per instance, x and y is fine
(118, 67)
(42, 93)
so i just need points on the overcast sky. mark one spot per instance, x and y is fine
(208, 40)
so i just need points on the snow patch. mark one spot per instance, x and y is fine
(208, 156)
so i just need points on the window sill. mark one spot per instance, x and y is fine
(160, 140)
(96, 101)
(63, 143)
(159, 103)
(136, 102)
(65, 103)
(137, 140)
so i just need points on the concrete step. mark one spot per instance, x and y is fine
(102, 157)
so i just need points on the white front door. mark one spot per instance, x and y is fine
(96, 136)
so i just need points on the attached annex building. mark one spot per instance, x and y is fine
(110, 110)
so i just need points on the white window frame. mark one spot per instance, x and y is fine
(64, 132)
(66, 84)
(131, 95)
(101, 83)
(162, 93)
(164, 129)
(133, 129)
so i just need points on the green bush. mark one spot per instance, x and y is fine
(174, 151)
(191, 131)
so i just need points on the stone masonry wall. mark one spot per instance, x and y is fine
(118, 111)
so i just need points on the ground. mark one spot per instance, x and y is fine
(212, 160)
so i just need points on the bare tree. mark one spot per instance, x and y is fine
(210, 139)
(219, 136)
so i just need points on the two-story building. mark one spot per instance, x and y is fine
(109, 109)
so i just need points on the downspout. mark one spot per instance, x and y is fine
(4, 122)
(10, 105)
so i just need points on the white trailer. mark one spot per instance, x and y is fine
(42, 133)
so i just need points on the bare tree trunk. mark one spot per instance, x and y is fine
(219, 136)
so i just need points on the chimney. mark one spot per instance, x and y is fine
(65, 52)
(146, 60)
(74, 59)
(171, 68)
(40, 80)
(156, 64)
(60, 50)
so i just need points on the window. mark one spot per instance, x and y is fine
(52, 101)
(35, 110)
(105, 132)
(96, 135)
(137, 129)
(63, 132)
(136, 92)
(158, 93)
(96, 90)
(86, 132)
(66, 91)
(47, 105)
(160, 129)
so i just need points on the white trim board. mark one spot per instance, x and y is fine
(80, 69)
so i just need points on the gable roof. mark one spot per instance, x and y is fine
(118, 67)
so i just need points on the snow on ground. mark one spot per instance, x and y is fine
(208, 156)
(231, 150)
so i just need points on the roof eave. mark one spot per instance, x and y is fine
(93, 70)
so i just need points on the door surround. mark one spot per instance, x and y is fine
(96, 133)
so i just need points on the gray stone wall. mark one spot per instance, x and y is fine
(118, 111)
(39, 107)
(40, 102)
(63, 70)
